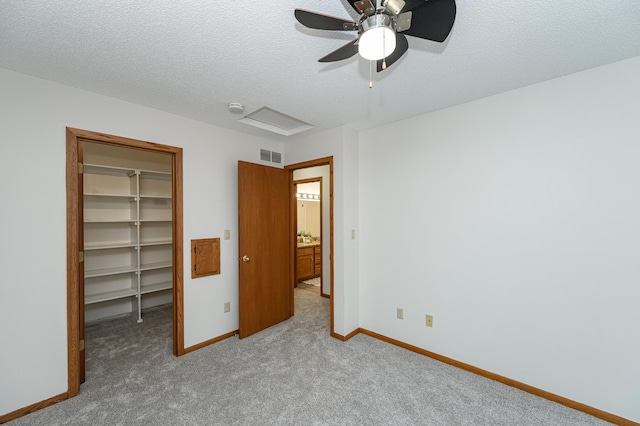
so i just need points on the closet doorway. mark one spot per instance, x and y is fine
(134, 218)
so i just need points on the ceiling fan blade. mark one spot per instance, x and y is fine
(353, 5)
(402, 45)
(344, 52)
(433, 20)
(319, 21)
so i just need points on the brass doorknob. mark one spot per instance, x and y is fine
(245, 258)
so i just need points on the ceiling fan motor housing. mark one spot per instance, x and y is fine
(377, 20)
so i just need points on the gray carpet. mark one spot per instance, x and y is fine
(292, 373)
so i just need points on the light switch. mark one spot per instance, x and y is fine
(227, 234)
(353, 234)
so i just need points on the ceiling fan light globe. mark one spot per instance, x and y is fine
(377, 43)
(378, 39)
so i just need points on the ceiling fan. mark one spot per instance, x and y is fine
(381, 31)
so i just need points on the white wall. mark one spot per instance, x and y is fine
(515, 221)
(518, 229)
(322, 172)
(341, 143)
(33, 116)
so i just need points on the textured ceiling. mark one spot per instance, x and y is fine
(193, 57)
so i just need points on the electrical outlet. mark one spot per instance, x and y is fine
(428, 320)
(227, 307)
(400, 313)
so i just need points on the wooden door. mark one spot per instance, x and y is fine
(263, 230)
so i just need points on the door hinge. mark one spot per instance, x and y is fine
(81, 345)
(80, 256)
(80, 168)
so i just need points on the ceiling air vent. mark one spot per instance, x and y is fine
(274, 157)
(265, 155)
(274, 121)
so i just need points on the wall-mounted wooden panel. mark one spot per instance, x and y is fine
(205, 257)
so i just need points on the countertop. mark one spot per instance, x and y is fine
(313, 244)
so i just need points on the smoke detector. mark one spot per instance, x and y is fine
(236, 108)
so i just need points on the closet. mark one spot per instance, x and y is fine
(127, 231)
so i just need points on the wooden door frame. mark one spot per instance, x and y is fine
(74, 136)
(325, 161)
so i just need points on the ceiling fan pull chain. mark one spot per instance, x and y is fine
(384, 54)
(370, 74)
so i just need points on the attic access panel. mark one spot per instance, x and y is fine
(268, 119)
